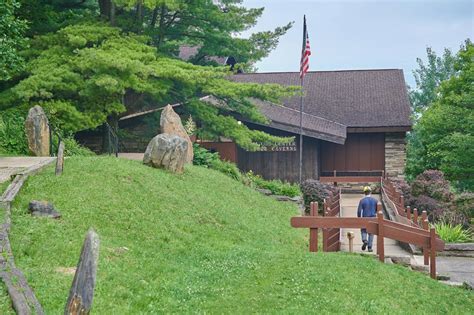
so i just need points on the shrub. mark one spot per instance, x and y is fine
(452, 233)
(228, 168)
(72, 148)
(277, 187)
(208, 159)
(432, 183)
(464, 203)
(314, 190)
(12, 132)
(204, 157)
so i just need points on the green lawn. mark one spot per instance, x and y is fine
(199, 242)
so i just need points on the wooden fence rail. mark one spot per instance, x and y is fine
(332, 237)
(404, 214)
(378, 226)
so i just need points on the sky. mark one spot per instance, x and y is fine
(364, 34)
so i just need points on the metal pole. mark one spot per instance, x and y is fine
(301, 134)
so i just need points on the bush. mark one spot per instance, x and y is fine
(208, 159)
(432, 183)
(228, 168)
(203, 157)
(277, 187)
(72, 148)
(314, 190)
(12, 132)
(452, 233)
(464, 203)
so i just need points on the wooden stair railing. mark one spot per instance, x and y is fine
(332, 237)
(404, 214)
(379, 226)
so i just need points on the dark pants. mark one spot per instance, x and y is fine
(364, 233)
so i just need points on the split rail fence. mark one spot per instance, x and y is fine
(411, 227)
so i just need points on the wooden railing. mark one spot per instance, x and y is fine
(394, 198)
(351, 176)
(378, 226)
(332, 237)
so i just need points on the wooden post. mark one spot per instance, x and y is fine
(408, 213)
(432, 253)
(425, 224)
(380, 245)
(60, 159)
(415, 216)
(82, 289)
(313, 233)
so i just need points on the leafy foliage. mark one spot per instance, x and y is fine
(464, 203)
(12, 39)
(452, 233)
(445, 132)
(314, 190)
(12, 132)
(81, 74)
(209, 26)
(211, 160)
(277, 187)
(429, 76)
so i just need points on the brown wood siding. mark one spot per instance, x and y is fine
(227, 150)
(282, 165)
(361, 152)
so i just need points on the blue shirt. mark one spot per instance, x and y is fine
(367, 207)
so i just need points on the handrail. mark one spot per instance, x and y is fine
(377, 226)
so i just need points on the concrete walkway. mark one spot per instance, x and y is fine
(459, 269)
(349, 204)
(13, 165)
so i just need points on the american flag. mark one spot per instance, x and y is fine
(305, 52)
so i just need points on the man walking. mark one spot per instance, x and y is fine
(367, 208)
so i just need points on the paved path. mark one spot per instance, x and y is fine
(12, 165)
(349, 203)
(459, 269)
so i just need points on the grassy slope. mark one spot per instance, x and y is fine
(199, 242)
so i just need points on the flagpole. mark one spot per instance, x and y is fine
(301, 133)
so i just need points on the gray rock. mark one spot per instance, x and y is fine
(281, 198)
(166, 151)
(37, 131)
(401, 260)
(297, 199)
(459, 247)
(420, 268)
(170, 123)
(266, 192)
(388, 261)
(443, 277)
(43, 209)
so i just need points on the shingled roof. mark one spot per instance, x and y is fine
(354, 98)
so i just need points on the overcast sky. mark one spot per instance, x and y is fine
(364, 34)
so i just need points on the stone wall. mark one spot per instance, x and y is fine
(395, 154)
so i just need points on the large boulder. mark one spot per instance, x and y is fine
(37, 131)
(166, 151)
(170, 123)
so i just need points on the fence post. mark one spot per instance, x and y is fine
(432, 253)
(425, 224)
(408, 213)
(380, 245)
(60, 159)
(415, 216)
(313, 233)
